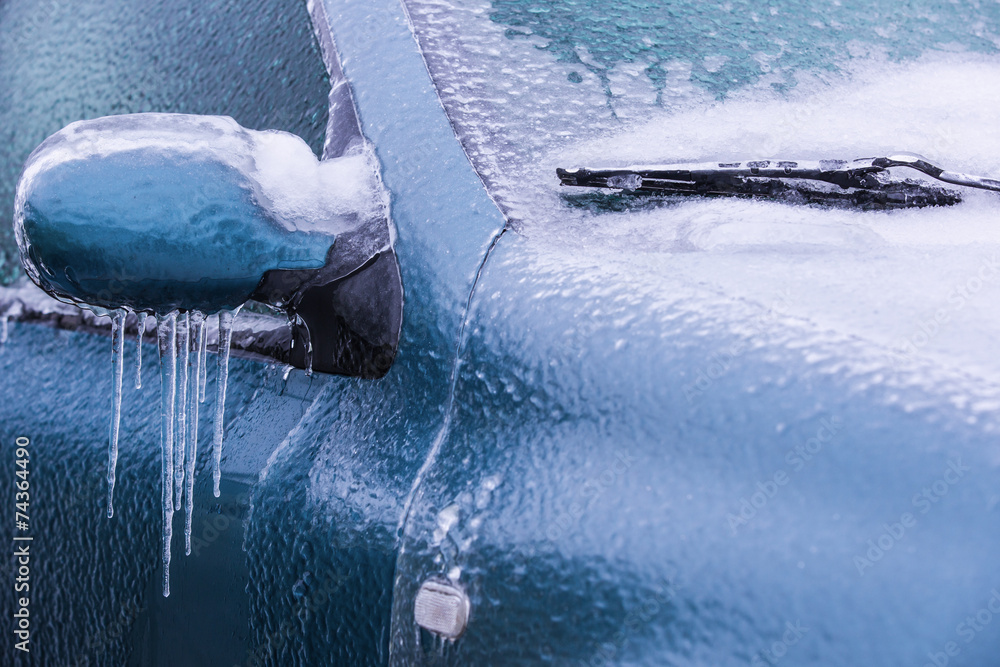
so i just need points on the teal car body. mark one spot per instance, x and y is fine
(624, 450)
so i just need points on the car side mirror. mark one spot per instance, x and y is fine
(154, 213)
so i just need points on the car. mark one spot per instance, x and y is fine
(617, 428)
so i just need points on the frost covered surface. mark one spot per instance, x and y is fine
(520, 114)
(162, 211)
(525, 80)
(730, 44)
(651, 365)
(916, 283)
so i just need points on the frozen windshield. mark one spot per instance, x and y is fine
(531, 84)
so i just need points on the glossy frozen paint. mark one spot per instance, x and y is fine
(625, 444)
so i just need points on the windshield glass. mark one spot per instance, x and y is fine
(531, 84)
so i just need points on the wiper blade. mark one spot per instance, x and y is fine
(864, 182)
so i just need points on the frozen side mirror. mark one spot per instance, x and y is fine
(155, 213)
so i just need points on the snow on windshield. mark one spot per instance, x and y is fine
(534, 86)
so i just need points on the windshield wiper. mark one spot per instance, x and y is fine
(864, 182)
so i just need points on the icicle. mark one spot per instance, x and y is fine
(198, 335)
(3, 328)
(203, 363)
(117, 357)
(140, 331)
(183, 348)
(301, 324)
(166, 335)
(226, 318)
(309, 350)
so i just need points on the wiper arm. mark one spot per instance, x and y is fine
(922, 165)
